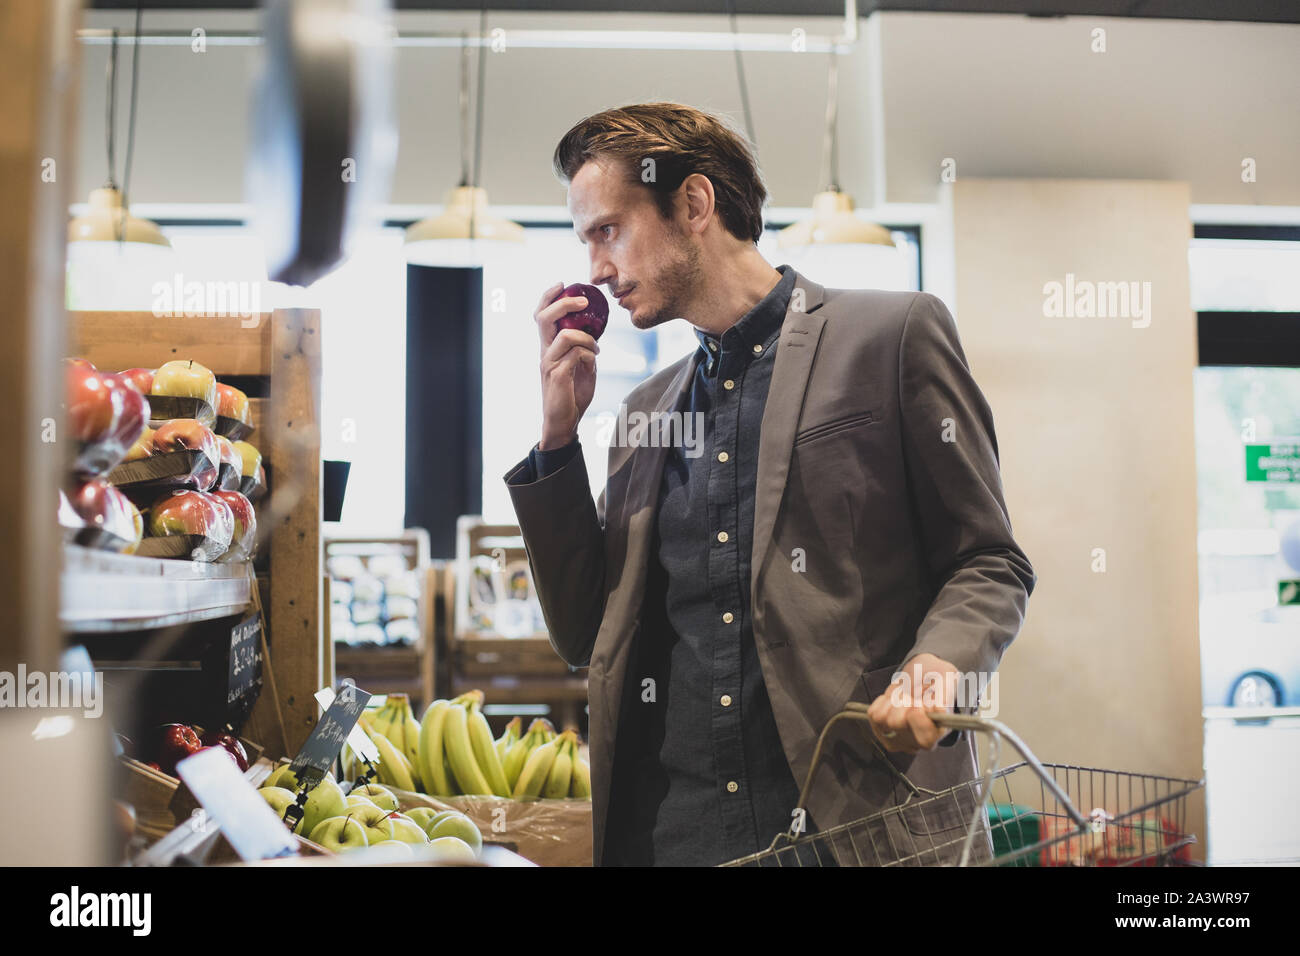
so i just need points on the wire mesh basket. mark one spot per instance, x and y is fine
(1025, 814)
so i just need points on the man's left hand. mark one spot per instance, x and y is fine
(899, 715)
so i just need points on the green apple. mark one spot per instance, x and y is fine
(379, 795)
(459, 826)
(357, 800)
(407, 830)
(279, 799)
(452, 850)
(325, 801)
(426, 816)
(339, 834)
(186, 379)
(375, 820)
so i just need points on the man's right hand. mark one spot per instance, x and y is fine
(568, 369)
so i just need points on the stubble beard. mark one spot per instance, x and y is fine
(676, 283)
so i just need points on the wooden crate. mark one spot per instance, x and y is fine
(278, 356)
(510, 670)
(392, 669)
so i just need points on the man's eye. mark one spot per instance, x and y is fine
(604, 228)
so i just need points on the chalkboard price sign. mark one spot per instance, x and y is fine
(323, 746)
(245, 658)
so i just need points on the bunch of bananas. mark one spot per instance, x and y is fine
(396, 733)
(451, 752)
(542, 764)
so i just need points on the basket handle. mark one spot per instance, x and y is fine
(853, 710)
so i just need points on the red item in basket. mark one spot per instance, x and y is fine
(1129, 842)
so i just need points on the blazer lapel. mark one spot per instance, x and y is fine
(800, 333)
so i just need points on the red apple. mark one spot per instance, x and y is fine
(105, 510)
(134, 416)
(175, 742)
(141, 378)
(180, 434)
(228, 742)
(245, 530)
(196, 513)
(232, 403)
(186, 379)
(93, 403)
(591, 318)
(224, 528)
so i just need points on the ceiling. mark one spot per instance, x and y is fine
(1257, 11)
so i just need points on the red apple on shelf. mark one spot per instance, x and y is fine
(186, 378)
(194, 513)
(182, 434)
(224, 528)
(133, 418)
(107, 513)
(232, 403)
(93, 403)
(244, 535)
(141, 378)
(228, 742)
(591, 318)
(175, 742)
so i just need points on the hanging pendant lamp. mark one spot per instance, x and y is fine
(108, 218)
(455, 236)
(833, 221)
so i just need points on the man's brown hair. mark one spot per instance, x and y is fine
(681, 140)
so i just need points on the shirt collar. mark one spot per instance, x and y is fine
(759, 326)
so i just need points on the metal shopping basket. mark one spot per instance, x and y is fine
(1021, 815)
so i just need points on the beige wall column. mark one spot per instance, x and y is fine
(1094, 422)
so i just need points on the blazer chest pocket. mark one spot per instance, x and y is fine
(837, 425)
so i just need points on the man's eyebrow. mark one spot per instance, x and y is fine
(592, 228)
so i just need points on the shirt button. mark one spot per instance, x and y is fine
(726, 700)
(728, 384)
(758, 349)
(722, 536)
(732, 786)
(728, 618)
(723, 456)
(713, 347)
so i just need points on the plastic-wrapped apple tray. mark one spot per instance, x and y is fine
(163, 408)
(145, 480)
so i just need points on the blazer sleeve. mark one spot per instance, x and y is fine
(564, 535)
(981, 576)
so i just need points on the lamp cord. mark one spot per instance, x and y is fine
(130, 125)
(478, 120)
(740, 75)
(830, 151)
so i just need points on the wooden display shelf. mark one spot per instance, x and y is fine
(103, 592)
(282, 350)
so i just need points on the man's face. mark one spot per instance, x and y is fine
(635, 252)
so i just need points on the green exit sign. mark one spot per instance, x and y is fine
(1276, 462)
(1288, 593)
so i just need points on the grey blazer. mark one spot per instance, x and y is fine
(880, 532)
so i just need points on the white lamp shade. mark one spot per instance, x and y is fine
(103, 222)
(833, 221)
(446, 239)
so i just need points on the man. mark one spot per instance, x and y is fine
(842, 531)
